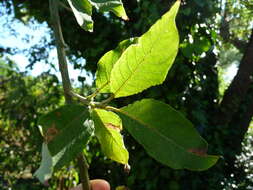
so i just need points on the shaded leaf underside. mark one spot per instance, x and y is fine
(66, 132)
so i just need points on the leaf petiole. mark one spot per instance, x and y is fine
(79, 97)
(106, 101)
(94, 94)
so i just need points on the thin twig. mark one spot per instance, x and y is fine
(53, 5)
(79, 97)
(106, 101)
(83, 170)
(97, 91)
(60, 44)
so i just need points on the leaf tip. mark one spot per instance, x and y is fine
(125, 17)
(127, 168)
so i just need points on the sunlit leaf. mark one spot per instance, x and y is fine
(105, 64)
(107, 130)
(147, 63)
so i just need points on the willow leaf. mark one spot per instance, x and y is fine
(82, 10)
(105, 64)
(107, 130)
(166, 135)
(147, 63)
(114, 6)
(66, 131)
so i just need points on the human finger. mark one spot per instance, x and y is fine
(96, 184)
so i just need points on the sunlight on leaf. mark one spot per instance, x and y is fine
(106, 63)
(147, 63)
(107, 130)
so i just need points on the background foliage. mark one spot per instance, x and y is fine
(209, 33)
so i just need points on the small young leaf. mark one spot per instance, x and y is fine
(107, 130)
(82, 10)
(114, 6)
(166, 135)
(146, 63)
(45, 170)
(105, 64)
(66, 131)
(47, 165)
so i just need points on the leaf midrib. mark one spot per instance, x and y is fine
(136, 68)
(108, 131)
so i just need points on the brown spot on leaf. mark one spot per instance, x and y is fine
(112, 126)
(198, 151)
(51, 133)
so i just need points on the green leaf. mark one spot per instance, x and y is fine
(105, 64)
(187, 49)
(107, 130)
(147, 63)
(201, 45)
(45, 170)
(66, 131)
(166, 135)
(82, 10)
(47, 165)
(114, 6)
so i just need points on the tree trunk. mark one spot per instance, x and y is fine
(235, 112)
(238, 88)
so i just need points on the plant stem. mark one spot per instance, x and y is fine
(60, 44)
(83, 170)
(96, 91)
(107, 100)
(63, 66)
(79, 97)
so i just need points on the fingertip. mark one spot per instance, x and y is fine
(99, 184)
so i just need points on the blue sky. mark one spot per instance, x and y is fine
(36, 32)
